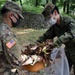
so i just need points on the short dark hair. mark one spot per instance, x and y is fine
(55, 8)
(4, 11)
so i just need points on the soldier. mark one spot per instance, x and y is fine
(61, 27)
(10, 51)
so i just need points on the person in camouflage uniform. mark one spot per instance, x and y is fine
(10, 50)
(61, 27)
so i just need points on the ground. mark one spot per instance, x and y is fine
(27, 36)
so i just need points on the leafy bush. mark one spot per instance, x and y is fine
(32, 8)
(1, 4)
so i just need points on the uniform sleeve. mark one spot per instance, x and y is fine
(67, 36)
(49, 34)
(12, 45)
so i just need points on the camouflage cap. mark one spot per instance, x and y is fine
(12, 6)
(48, 8)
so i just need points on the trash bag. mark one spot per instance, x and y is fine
(59, 65)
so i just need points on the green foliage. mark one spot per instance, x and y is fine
(60, 3)
(72, 7)
(30, 5)
(31, 8)
(1, 3)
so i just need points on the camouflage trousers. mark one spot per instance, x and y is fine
(70, 53)
(7, 71)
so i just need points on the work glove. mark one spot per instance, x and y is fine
(30, 59)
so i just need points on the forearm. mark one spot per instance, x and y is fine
(49, 34)
(41, 39)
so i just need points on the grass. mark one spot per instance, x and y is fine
(27, 36)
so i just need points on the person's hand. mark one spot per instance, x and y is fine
(49, 41)
(28, 61)
(25, 60)
(36, 59)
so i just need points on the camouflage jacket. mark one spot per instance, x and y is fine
(9, 44)
(65, 31)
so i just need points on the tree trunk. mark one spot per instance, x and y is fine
(36, 3)
(64, 7)
(47, 1)
(68, 7)
(54, 2)
(21, 2)
(14, 0)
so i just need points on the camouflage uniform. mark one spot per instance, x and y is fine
(8, 37)
(10, 51)
(65, 33)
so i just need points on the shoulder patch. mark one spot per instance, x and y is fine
(11, 43)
